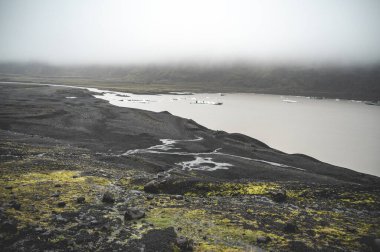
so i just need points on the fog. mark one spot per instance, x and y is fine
(142, 31)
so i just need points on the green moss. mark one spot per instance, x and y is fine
(34, 192)
(206, 247)
(198, 224)
(232, 189)
(128, 183)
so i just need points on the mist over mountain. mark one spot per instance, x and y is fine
(347, 82)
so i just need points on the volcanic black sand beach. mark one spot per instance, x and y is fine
(78, 174)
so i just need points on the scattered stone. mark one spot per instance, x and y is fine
(351, 229)
(38, 229)
(14, 204)
(61, 204)
(152, 187)
(279, 196)
(149, 197)
(106, 227)
(75, 176)
(8, 187)
(176, 197)
(58, 185)
(263, 239)
(59, 218)
(290, 228)
(108, 198)
(47, 233)
(137, 192)
(81, 200)
(184, 244)
(133, 214)
(56, 195)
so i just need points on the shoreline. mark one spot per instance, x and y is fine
(100, 91)
(66, 184)
(173, 92)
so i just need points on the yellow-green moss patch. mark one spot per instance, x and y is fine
(232, 189)
(208, 228)
(34, 191)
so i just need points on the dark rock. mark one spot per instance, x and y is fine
(133, 214)
(149, 197)
(75, 176)
(14, 204)
(8, 187)
(263, 239)
(155, 240)
(56, 195)
(61, 204)
(8, 227)
(279, 196)
(184, 244)
(58, 185)
(152, 187)
(376, 245)
(81, 200)
(290, 228)
(108, 198)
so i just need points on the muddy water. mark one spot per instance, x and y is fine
(343, 133)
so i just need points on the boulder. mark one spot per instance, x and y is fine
(61, 204)
(108, 198)
(263, 239)
(133, 214)
(290, 228)
(279, 196)
(184, 244)
(152, 187)
(149, 197)
(14, 204)
(81, 200)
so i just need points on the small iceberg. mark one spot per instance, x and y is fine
(289, 101)
(207, 102)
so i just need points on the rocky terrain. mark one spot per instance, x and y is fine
(78, 174)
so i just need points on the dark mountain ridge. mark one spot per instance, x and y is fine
(345, 82)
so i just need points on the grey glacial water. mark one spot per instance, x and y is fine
(343, 133)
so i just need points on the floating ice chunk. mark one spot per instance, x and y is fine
(289, 101)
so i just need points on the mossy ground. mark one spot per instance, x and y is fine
(217, 216)
(39, 193)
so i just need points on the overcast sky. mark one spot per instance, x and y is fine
(141, 31)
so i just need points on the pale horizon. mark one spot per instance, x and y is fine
(172, 32)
